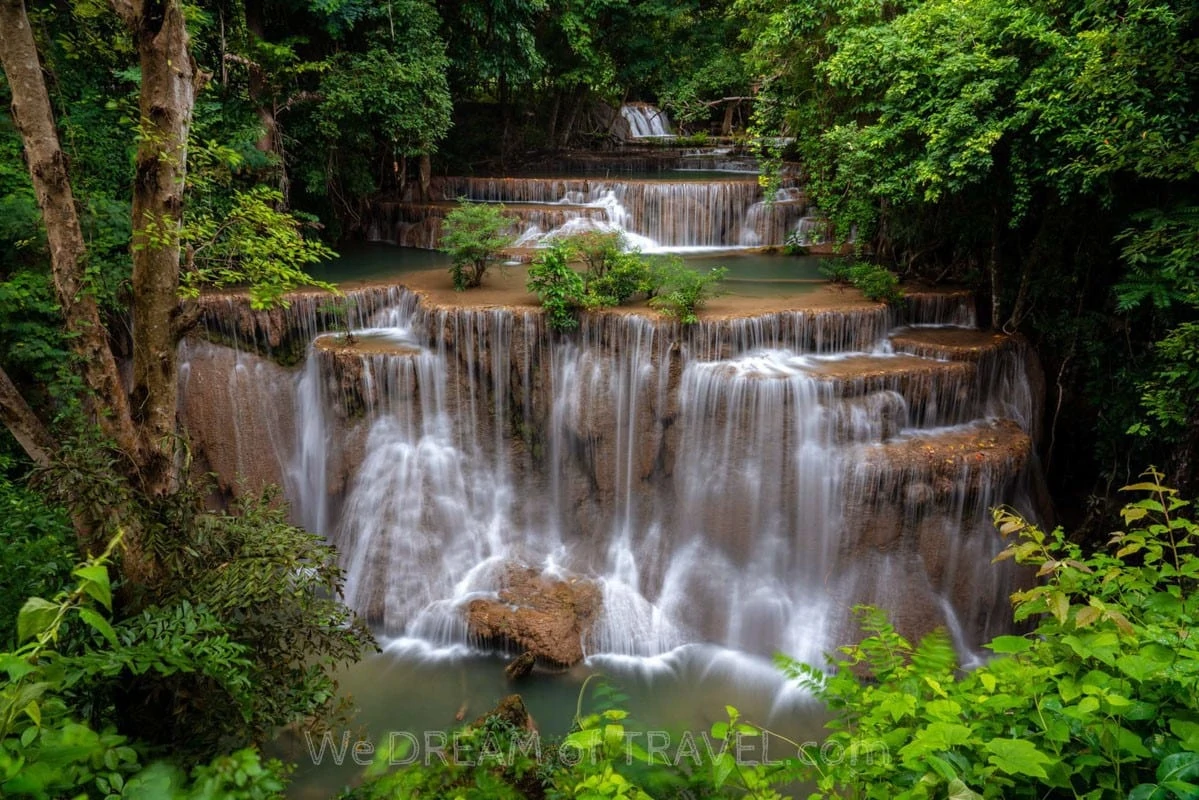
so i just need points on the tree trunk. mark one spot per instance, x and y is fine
(169, 84)
(993, 268)
(426, 177)
(107, 403)
(552, 135)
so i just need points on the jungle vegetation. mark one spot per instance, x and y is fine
(1043, 154)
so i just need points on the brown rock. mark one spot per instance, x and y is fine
(547, 618)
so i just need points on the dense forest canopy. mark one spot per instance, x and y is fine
(1043, 154)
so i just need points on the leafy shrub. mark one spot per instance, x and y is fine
(559, 288)
(277, 591)
(45, 751)
(273, 588)
(611, 278)
(1100, 701)
(473, 236)
(598, 249)
(873, 281)
(599, 758)
(680, 291)
(627, 274)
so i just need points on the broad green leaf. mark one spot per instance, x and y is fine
(1059, 605)
(34, 712)
(941, 767)
(1009, 644)
(15, 666)
(1179, 767)
(1144, 486)
(722, 768)
(94, 581)
(1018, 757)
(99, 624)
(960, 791)
(937, 736)
(35, 617)
(1138, 667)
(1188, 732)
(585, 739)
(1147, 791)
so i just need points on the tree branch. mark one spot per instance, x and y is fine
(24, 425)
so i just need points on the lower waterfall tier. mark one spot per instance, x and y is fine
(636, 486)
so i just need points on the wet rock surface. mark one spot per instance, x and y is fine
(546, 617)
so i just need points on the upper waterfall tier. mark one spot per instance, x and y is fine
(743, 481)
(646, 121)
(677, 213)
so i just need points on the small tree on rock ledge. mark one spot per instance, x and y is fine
(474, 237)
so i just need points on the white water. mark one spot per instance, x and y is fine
(654, 216)
(720, 485)
(646, 121)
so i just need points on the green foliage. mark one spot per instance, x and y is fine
(626, 275)
(559, 288)
(681, 291)
(1162, 254)
(271, 588)
(1100, 701)
(498, 757)
(276, 589)
(474, 236)
(46, 752)
(242, 237)
(252, 244)
(1040, 152)
(612, 276)
(873, 281)
(37, 550)
(396, 94)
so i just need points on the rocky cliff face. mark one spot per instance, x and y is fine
(743, 481)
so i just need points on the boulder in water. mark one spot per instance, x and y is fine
(511, 710)
(545, 617)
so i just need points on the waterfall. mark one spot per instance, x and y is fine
(666, 214)
(645, 120)
(741, 483)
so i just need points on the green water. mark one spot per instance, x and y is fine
(407, 696)
(359, 261)
(751, 274)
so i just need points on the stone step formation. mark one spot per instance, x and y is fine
(742, 482)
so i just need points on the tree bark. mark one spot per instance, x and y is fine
(107, 404)
(24, 425)
(169, 84)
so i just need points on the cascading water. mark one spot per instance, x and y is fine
(668, 214)
(646, 121)
(740, 483)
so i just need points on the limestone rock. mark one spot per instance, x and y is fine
(545, 617)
